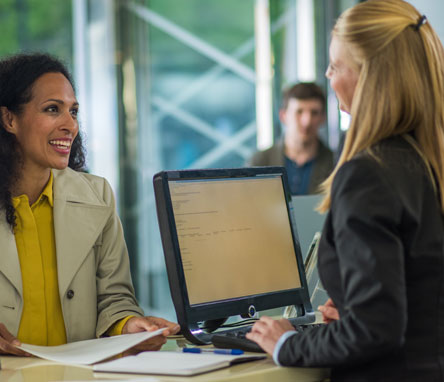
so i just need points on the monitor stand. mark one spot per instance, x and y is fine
(201, 333)
(212, 325)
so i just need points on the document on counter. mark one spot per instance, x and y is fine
(172, 363)
(89, 351)
(149, 379)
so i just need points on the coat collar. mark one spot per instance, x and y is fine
(80, 213)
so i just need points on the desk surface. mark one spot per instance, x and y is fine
(18, 369)
(23, 369)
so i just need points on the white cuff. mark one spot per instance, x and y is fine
(279, 344)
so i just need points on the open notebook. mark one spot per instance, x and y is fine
(172, 363)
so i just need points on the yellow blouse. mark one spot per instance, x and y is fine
(42, 318)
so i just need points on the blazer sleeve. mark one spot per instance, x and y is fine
(115, 293)
(366, 214)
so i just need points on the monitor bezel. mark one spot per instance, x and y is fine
(190, 314)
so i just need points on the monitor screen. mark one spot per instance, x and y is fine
(229, 243)
(239, 226)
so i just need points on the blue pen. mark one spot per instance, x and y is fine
(214, 351)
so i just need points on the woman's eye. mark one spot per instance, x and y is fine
(52, 109)
(74, 112)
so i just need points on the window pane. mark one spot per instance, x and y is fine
(193, 68)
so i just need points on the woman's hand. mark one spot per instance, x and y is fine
(8, 342)
(266, 332)
(329, 311)
(149, 324)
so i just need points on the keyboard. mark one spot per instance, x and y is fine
(236, 339)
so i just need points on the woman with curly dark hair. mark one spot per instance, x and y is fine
(64, 269)
(17, 75)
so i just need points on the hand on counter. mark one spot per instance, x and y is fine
(8, 343)
(140, 324)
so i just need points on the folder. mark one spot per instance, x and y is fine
(172, 363)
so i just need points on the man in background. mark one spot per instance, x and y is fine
(307, 160)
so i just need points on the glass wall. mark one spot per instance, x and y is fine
(187, 101)
(187, 98)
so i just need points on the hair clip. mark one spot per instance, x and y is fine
(420, 23)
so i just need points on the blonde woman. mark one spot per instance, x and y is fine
(381, 256)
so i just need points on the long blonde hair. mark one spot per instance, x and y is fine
(401, 83)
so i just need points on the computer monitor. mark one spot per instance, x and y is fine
(230, 245)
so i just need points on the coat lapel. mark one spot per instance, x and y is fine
(79, 217)
(9, 261)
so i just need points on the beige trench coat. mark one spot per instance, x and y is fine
(92, 260)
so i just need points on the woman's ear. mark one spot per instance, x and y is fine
(7, 119)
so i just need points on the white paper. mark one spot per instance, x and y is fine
(149, 379)
(89, 351)
(170, 363)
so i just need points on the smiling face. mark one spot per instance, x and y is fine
(342, 73)
(47, 124)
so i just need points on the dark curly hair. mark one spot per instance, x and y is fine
(18, 74)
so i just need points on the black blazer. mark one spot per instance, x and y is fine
(381, 259)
